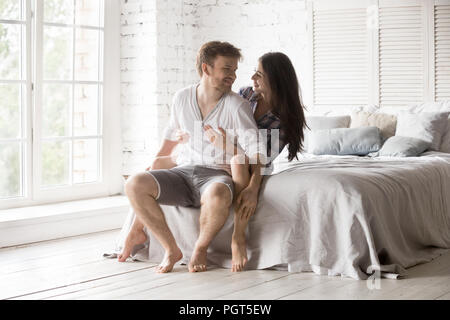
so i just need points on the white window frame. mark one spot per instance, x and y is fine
(111, 182)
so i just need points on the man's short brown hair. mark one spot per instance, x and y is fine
(210, 50)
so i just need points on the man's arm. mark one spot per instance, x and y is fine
(167, 148)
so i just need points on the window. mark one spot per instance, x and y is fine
(53, 141)
(382, 52)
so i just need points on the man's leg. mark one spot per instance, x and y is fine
(142, 191)
(137, 235)
(241, 178)
(215, 205)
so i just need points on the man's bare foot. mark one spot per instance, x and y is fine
(133, 238)
(238, 254)
(169, 260)
(198, 260)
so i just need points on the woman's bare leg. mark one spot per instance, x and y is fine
(137, 234)
(241, 178)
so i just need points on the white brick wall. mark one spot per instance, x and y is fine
(159, 42)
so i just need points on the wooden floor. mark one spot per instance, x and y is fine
(74, 268)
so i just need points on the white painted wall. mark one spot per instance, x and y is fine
(159, 42)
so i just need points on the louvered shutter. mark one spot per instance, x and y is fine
(401, 53)
(442, 50)
(339, 54)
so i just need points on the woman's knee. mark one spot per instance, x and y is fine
(239, 159)
(239, 163)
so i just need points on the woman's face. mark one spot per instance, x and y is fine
(260, 83)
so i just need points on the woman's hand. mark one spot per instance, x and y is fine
(220, 139)
(246, 203)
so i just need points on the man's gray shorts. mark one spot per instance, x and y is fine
(184, 185)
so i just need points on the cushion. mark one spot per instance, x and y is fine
(345, 141)
(385, 122)
(427, 126)
(323, 122)
(445, 144)
(398, 146)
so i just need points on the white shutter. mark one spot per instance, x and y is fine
(442, 51)
(339, 53)
(401, 53)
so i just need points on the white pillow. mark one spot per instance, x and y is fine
(436, 106)
(322, 123)
(427, 126)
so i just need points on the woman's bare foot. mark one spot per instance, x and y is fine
(238, 254)
(169, 260)
(198, 260)
(135, 237)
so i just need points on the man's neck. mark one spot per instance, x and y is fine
(207, 96)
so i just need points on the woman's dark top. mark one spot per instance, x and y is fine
(267, 121)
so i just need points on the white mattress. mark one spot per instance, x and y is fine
(334, 215)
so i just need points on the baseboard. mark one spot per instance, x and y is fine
(56, 221)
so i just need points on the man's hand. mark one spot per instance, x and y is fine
(220, 139)
(215, 137)
(246, 203)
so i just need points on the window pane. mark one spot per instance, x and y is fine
(55, 162)
(87, 12)
(9, 51)
(57, 53)
(56, 110)
(9, 110)
(59, 11)
(85, 161)
(10, 160)
(10, 9)
(86, 54)
(85, 110)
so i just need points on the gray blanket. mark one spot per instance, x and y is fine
(332, 215)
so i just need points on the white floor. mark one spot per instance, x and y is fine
(73, 268)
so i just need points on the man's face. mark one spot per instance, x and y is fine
(222, 73)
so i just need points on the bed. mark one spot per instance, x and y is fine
(344, 216)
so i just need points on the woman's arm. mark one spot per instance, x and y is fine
(247, 200)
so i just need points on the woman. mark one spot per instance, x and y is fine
(276, 104)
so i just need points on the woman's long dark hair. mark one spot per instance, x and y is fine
(285, 99)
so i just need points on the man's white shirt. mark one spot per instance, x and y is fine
(232, 113)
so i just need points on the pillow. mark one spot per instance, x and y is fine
(398, 146)
(323, 122)
(445, 144)
(427, 126)
(345, 141)
(385, 122)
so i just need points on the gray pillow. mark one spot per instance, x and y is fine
(345, 141)
(398, 146)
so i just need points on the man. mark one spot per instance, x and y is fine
(201, 178)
